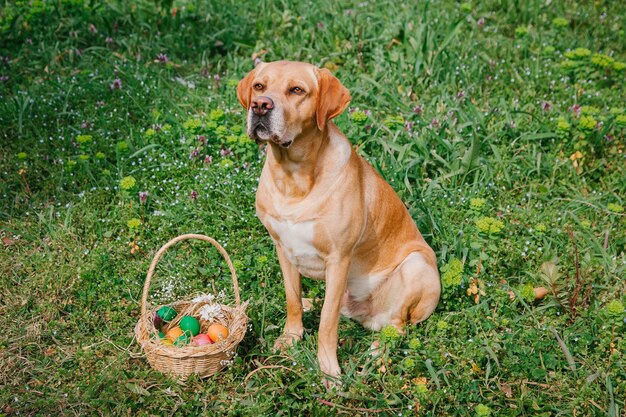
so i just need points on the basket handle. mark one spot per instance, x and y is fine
(160, 252)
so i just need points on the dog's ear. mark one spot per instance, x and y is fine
(244, 89)
(332, 97)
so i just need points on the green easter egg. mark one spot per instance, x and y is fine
(167, 313)
(161, 335)
(183, 340)
(190, 324)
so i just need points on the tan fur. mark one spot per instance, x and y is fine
(332, 216)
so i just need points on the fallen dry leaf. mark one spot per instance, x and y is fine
(540, 292)
(307, 304)
(375, 348)
(421, 380)
(476, 369)
(506, 389)
(259, 54)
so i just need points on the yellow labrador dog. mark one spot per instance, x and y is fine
(330, 214)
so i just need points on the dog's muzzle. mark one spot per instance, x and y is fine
(264, 123)
(259, 128)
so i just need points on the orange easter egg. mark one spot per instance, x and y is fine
(217, 332)
(173, 333)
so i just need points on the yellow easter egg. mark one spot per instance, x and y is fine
(173, 334)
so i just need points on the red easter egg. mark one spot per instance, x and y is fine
(202, 339)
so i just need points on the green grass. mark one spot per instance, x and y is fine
(454, 102)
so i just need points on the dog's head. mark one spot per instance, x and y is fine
(285, 99)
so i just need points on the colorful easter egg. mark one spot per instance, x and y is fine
(217, 332)
(190, 324)
(173, 333)
(157, 320)
(183, 340)
(202, 339)
(167, 313)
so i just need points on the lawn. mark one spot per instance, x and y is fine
(501, 125)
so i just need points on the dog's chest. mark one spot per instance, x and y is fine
(297, 241)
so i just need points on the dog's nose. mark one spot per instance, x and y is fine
(261, 105)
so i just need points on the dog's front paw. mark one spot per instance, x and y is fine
(332, 378)
(285, 341)
(332, 372)
(333, 381)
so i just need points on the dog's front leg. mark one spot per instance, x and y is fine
(293, 291)
(336, 282)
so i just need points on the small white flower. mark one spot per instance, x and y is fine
(211, 312)
(205, 298)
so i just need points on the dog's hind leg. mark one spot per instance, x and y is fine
(423, 282)
(410, 294)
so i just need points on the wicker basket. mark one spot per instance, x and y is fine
(183, 361)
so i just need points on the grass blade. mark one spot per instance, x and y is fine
(432, 372)
(568, 354)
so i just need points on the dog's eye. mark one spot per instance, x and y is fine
(296, 90)
(258, 86)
